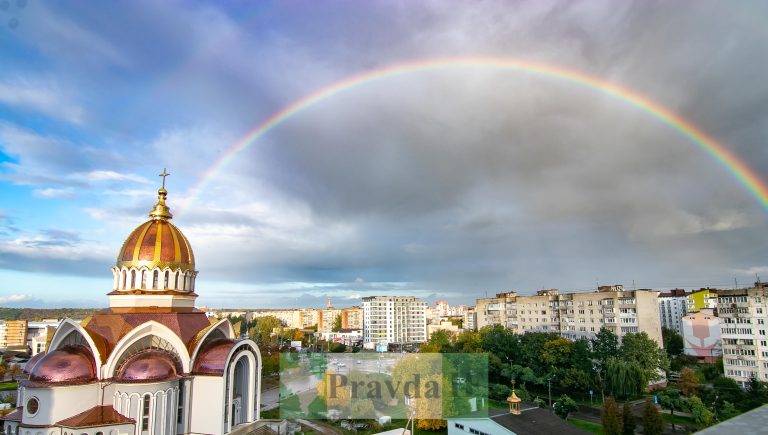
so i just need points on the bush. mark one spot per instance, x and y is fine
(610, 417)
(652, 422)
(564, 406)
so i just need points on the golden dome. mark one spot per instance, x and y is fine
(157, 242)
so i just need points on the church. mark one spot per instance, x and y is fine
(151, 363)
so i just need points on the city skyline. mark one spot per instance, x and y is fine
(444, 183)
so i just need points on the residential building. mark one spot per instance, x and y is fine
(348, 337)
(13, 334)
(445, 325)
(702, 298)
(470, 320)
(744, 317)
(394, 319)
(499, 310)
(575, 315)
(39, 334)
(673, 305)
(352, 318)
(702, 336)
(326, 318)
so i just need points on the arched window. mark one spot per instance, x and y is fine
(99, 433)
(145, 413)
(176, 280)
(124, 277)
(167, 279)
(143, 279)
(155, 279)
(133, 279)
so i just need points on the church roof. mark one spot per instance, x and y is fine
(94, 417)
(109, 326)
(14, 415)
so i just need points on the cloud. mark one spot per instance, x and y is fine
(15, 299)
(107, 175)
(51, 192)
(40, 96)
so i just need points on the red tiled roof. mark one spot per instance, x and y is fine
(14, 415)
(96, 416)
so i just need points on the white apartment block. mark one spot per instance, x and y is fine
(673, 306)
(575, 315)
(744, 317)
(470, 320)
(394, 319)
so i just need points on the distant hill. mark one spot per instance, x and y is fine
(44, 313)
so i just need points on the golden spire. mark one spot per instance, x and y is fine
(161, 211)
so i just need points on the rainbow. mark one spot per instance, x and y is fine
(740, 170)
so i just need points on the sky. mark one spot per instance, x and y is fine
(445, 184)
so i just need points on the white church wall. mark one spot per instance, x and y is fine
(127, 399)
(207, 405)
(57, 403)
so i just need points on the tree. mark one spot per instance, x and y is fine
(556, 353)
(605, 345)
(14, 370)
(625, 378)
(689, 382)
(702, 416)
(564, 406)
(673, 342)
(262, 331)
(652, 422)
(727, 411)
(610, 417)
(3, 369)
(439, 341)
(756, 392)
(672, 400)
(336, 323)
(628, 422)
(639, 348)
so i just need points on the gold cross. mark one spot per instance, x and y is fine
(164, 174)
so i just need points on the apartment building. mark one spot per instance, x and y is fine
(394, 319)
(499, 310)
(701, 299)
(39, 335)
(352, 318)
(575, 315)
(13, 334)
(470, 320)
(743, 315)
(673, 306)
(326, 318)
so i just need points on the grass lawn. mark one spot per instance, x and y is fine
(9, 385)
(678, 419)
(586, 425)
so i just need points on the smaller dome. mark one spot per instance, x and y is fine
(69, 364)
(32, 361)
(147, 366)
(212, 358)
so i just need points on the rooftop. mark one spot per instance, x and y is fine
(96, 416)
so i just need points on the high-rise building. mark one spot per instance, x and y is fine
(743, 314)
(673, 305)
(394, 319)
(13, 334)
(575, 315)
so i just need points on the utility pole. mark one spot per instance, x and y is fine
(549, 385)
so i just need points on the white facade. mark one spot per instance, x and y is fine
(672, 308)
(394, 319)
(744, 322)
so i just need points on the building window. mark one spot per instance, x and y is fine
(167, 279)
(155, 279)
(33, 406)
(133, 279)
(145, 414)
(180, 411)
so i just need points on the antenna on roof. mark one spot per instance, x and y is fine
(735, 283)
(634, 287)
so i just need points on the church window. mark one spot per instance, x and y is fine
(143, 279)
(125, 278)
(145, 414)
(133, 279)
(32, 406)
(180, 411)
(99, 433)
(155, 279)
(167, 279)
(176, 281)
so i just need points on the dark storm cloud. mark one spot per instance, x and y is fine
(455, 182)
